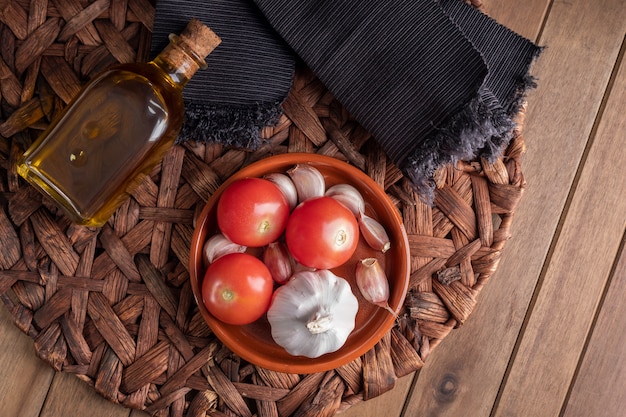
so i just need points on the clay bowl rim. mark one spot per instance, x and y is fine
(240, 339)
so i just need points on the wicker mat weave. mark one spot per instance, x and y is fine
(114, 306)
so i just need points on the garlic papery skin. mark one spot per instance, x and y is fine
(217, 246)
(278, 261)
(313, 314)
(374, 233)
(286, 186)
(347, 195)
(308, 180)
(372, 282)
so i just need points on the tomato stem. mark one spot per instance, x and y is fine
(341, 238)
(228, 295)
(264, 226)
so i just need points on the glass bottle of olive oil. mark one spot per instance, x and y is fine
(116, 130)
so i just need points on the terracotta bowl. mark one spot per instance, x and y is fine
(254, 342)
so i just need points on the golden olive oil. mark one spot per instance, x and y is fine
(115, 131)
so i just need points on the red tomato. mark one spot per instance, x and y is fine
(237, 288)
(252, 212)
(322, 233)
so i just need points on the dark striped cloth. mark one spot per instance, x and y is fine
(248, 76)
(433, 81)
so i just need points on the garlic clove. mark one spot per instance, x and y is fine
(277, 259)
(374, 233)
(286, 186)
(347, 195)
(308, 180)
(217, 246)
(372, 282)
(298, 267)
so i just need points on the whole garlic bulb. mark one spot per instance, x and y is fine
(313, 314)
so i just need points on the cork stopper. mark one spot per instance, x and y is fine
(186, 53)
(200, 38)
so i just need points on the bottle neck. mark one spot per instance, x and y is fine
(179, 61)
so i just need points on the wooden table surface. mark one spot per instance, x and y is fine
(548, 336)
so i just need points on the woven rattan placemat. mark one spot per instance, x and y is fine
(114, 306)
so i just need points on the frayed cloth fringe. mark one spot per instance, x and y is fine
(228, 125)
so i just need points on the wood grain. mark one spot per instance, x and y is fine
(546, 337)
(573, 74)
(71, 397)
(603, 368)
(389, 404)
(547, 356)
(519, 16)
(25, 378)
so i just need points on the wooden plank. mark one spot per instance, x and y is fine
(69, 396)
(574, 281)
(598, 389)
(471, 356)
(519, 16)
(25, 378)
(388, 404)
(466, 371)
